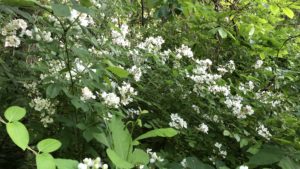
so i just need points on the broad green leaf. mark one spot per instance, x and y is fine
(19, 3)
(222, 33)
(53, 90)
(66, 163)
(45, 161)
(14, 113)
(61, 10)
(288, 12)
(287, 163)
(139, 157)
(48, 145)
(194, 163)
(86, 3)
(267, 155)
(164, 132)
(121, 138)
(118, 71)
(101, 138)
(18, 133)
(274, 9)
(117, 160)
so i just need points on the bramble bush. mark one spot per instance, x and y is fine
(167, 84)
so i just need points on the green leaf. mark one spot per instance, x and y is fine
(61, 10)
(48, 145)
(53, 90)
(117, 160)
(288, 12)
(267, 155)
(164, 132)
(118, 71)
(287, 163)
(101, 138)
(18, 133)
(86, 3)
(14, 113)
(19, 3)
(66, 163)
(222, 33)
(121, 137)
(139, 157)
(45, 161)
(194, 163)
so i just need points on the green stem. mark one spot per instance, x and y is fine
(1, 120)
(34, 152)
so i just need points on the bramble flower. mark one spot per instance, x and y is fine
(153, 156)
(152, 44)
(111, 99)
(126, 92)
(177, 122)
(203, 128)
(89, 163)
(243, 167)
(184, 51)
(258, 64)
(87, 94)
(263, 131)
(136, 72)
(12, 41)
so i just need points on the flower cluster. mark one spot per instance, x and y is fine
(126, 92)
(13, 31)
(177, 122)
(184, 51)
(263, 131)
(87, 94)
(221, 152)
(153, 156)
(111, 99)
(203, 128)
(152, 44)
(89, 163)
(119, 37)
(45, 106)
(83, 18)
(238, 109)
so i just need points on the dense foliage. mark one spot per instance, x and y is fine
(197, 84)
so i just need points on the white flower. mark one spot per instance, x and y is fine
(111, 99)
(177, 122)
(84, 19)
(203, 128)
(152, 44)
(104, 166)
(87, 94)
(82, 166)
(258, 64)
(263, 131)
(88, 161)
(184, 51)
(243, 167)
(12, 41)
(153, 156)
(136, 72)
(126, 92)
(183, 163)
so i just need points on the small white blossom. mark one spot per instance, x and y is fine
(203, 128)
(263, 131)
(177, 122)
(258, 64)
(243, 167)
(111, 99)
(12, 41)
(87, 94)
